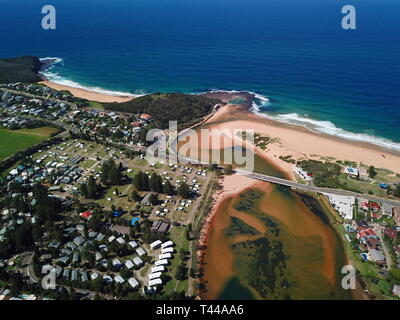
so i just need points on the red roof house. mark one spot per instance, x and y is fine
(86, 215)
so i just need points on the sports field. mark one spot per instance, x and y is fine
(12, 141)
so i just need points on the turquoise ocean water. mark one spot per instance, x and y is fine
(295, 53)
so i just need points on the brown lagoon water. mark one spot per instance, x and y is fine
(269, 242)
(266, 243)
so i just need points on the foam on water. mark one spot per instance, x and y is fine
(326, 127)
(54, 77)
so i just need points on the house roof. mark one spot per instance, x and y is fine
(86, 214)
(376, 255)
(391, 233)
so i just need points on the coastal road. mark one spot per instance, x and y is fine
(312, 188)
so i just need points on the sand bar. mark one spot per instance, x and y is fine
(300, 142)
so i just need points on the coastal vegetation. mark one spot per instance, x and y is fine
(325, 174)
(165, 107)
(20, 69)
(259, 140)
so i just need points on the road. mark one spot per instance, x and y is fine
(31, 95)
(312, 188)
(389, 261)
(28, 270)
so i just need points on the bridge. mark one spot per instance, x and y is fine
(305, 187)
(172, 146)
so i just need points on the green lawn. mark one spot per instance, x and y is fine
(96, 105)
(178, 236)
(12, 141)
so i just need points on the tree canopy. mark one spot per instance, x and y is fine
(20, 69)
(163, 107)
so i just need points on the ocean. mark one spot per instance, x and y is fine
(294, 55)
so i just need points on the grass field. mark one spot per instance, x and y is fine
(12, 141)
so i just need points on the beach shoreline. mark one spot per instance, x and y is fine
(301, 143)
(247, 118)
(88, 95)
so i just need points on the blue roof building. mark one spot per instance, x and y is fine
(135, 220)
(117, 214)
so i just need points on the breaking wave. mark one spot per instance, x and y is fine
(327, 127)
(49, 74)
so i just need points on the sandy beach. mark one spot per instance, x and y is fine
(88, 95)
(300, 142)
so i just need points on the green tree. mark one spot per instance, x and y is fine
(136, 196)
(396, 191)
(183, 190)
(372, 172)
(92, 188)
(156, 183)
(153, 199)
(141, 181)
(181, 272)
(169, 188)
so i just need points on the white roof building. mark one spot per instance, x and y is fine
(157, 269)
(116, 262)
(167, 244)
(107, 278)
(140, 252)
(94, 276)
(351, 171)
(163, 262)
(155, 244)
(155, 282)
(133, 244)
(133, 282)
(343, 204)
(137, 261)
(164, 256)
(120, 240)
(154, 275)
(396, 290)
(129, 264)
(119, 279)
(377, 256)
(167, 250)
